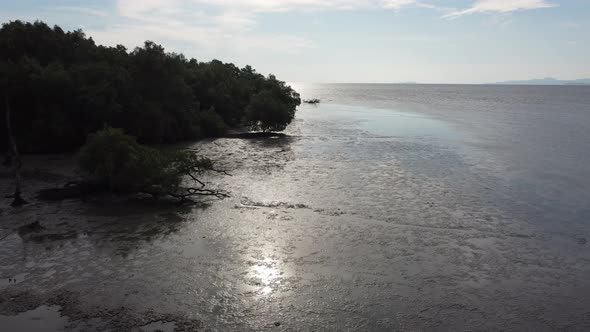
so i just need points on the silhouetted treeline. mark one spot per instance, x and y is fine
(61, 86)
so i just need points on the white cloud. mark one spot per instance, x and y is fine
(500, 6)
(209, 42)
(226, 27)
(135, 8)
(219, 25)
(81, 10)
(396, 4)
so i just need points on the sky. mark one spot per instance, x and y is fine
(368, 41)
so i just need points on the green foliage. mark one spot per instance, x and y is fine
(117, 161)
(211, 123)
(62, 87)
(266, 112)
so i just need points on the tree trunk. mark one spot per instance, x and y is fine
(15, 159)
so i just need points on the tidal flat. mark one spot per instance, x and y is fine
(363, 218)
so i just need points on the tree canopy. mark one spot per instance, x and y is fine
(61, 87)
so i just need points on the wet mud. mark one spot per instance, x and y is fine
(332, 228)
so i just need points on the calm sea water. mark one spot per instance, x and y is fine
(528, 144)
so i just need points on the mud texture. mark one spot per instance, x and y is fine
(334, 228)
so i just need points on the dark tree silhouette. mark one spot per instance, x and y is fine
(268, 113)
(66, 87)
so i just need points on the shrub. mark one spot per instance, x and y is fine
(122, 165)
(211, 123)
(267, 112)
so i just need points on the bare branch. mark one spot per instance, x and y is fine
(220, 171)
(190, 193)
(196, 180)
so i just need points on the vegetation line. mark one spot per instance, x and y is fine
(62, 92)
(62, 87)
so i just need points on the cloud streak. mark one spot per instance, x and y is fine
(222, 24)
(499, 6)
(139, 7)
(81, 10)
(210, 27)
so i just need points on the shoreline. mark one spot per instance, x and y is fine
(331, 218)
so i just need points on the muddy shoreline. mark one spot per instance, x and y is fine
(78, 318)
(332, 228)
(51, 226)
(32, 223)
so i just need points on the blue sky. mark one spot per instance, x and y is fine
(456, 41)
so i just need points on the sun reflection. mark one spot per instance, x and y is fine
(265, 273)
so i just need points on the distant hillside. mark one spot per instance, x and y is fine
(549, 81)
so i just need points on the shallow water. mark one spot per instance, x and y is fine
(535, 138)
(388, 208)
(43, 318)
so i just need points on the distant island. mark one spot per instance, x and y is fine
(547, 81)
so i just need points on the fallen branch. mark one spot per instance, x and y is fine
(84, 189)
(189, 194)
